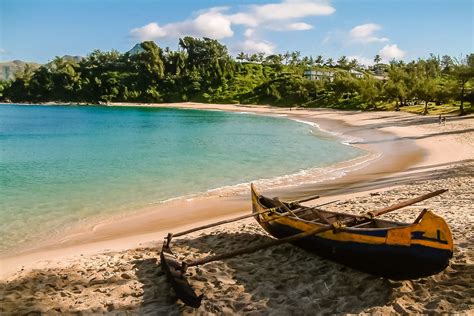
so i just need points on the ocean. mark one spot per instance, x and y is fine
(63, 165)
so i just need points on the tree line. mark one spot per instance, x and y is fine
(202, 70)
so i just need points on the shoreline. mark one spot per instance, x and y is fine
(142, 229)
(107, 232)
(95, 278)
(304, 176)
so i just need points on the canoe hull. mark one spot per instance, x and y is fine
(389, 261)
(407, 252)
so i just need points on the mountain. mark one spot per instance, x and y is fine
(9, 69)
(137, 49)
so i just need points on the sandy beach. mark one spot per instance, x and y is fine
(113, 266)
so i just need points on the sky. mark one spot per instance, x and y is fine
(33, 30)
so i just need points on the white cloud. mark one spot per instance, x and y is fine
(291, 9)
(244, 19)
(217, 22)
(211, 23)
(148, 32)
(389, 52)
(299, 26)
(365, 33)
(249, 32)
(3, 51)
(296, 26)
(251, 46)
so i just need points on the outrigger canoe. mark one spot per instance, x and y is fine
(384, 248)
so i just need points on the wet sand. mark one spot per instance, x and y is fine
(418, 155)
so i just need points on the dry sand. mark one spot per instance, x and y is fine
(418, 156)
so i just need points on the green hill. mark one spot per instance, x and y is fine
(8, 70)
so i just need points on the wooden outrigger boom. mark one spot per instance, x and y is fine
(235, 219)
(273, 215)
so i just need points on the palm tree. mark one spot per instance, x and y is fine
(342, 62)
(330, 62)
(286, 57)
(241, 56)
(319, 60)
(377, 59)
(353, 64)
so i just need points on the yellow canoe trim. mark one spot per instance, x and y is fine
(430, 224)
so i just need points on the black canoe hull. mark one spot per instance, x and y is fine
(388, 249)
(389, 261)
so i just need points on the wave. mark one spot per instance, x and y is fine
(345, 139)
(303, 177)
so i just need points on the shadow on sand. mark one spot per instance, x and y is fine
(283, 279)
(279, 280)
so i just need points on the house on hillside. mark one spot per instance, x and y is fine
(357, 74)
(380, 69)
(319, 75)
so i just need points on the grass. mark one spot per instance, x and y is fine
(433, 109)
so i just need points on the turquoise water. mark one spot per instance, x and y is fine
(62, 165)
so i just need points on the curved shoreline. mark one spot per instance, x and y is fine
(152, 224)
(75, 233)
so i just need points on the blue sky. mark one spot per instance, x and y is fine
(38, 31)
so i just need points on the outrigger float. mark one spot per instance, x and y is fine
(388, 249)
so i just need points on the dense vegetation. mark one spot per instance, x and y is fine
(202, 70)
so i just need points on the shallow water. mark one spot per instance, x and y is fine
(61, 165)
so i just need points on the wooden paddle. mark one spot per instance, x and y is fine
(318, 230)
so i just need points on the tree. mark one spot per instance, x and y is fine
(447, 64)
(93, 70)
(369, 90)
(65, 78)
(295, 58)
(241, 56)
(330, 62)
(276, 61)
(425, 89)
(209, 58)
(286, 57)
(202, 70)
(397, 91)
(150, 60)
(463, 72)
(353, 64)
(319, 60)
(19, 88)
(343, 84)
(377, 59)
(343, 62)
(396, 87)
(4, 85)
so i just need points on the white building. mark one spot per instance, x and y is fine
(356, 73)
(319, 75)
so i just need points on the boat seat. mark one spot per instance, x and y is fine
(267, 202)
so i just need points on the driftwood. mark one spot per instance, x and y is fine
(336, 226)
